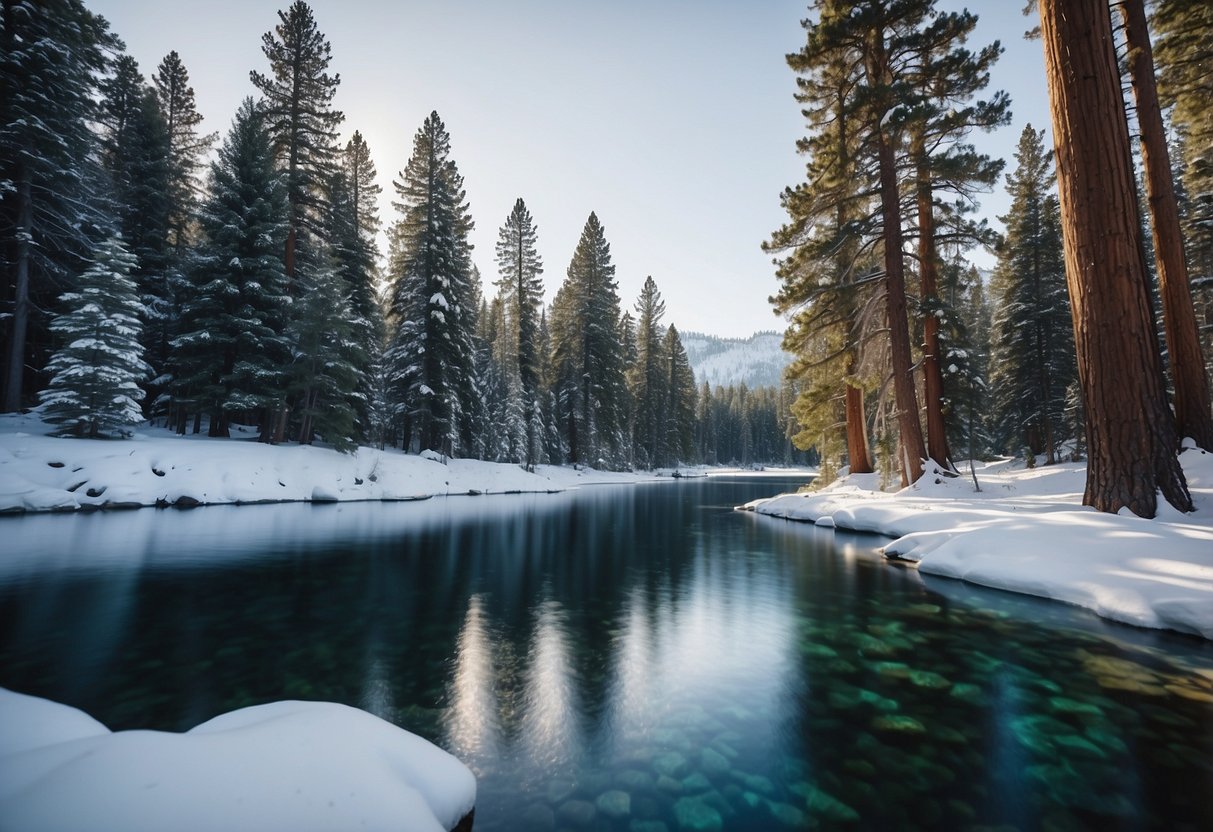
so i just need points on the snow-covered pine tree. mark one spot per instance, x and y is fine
(326, 358)
(353, 227)
(586, 354)
(136, 153)
(299, 115)
(94, 389)
(230, 355)
(430, 353)
(1032, 343)
(521, 291)
(52, 54)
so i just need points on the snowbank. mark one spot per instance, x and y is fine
(157, 467)
(1026, 531)
(282, 766)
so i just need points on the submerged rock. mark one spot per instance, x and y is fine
(899, 724)
(670, 764)
(615, 804)
(696, 783)
(786, 814)
(694, 815)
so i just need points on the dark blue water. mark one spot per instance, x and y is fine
(624, 658)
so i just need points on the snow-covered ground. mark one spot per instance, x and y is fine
(156, 467)
(281, 766)
(1026, 531)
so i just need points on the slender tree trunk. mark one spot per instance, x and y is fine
(904, 394)
(937, 435)
(1130, 428)
(15, 371)
(1193, 417)
(857, 427)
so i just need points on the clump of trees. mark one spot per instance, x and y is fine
(252, 290)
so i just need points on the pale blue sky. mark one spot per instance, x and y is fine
(672, 119)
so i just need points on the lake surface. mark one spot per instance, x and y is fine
(636, 658)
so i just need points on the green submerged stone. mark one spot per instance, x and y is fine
(694, 815)
(899, 724)
(615, 804)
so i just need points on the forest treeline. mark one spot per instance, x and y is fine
(908, 359)
(154, 270)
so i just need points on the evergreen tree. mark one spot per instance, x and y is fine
(327, 358)
(649, 379)
(187, 148)
(94, 388)
(521, 291)
(231, 352)
(1183, 52)
(679, 412)
(52, 54)
(432, 295)
(353, 227)
(1032, 361)
(136, 155)
(299, 114)
(1130, 428)
(948, 77)
(587, 357)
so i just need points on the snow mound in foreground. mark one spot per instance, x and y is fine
(282, 766)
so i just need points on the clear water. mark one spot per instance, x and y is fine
(624, 658)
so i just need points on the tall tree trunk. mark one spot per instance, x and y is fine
(937, 435)
(1193, 416)
(15, 371)
(1130, 428)
(904, 394)
(857, 428)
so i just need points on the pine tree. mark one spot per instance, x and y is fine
(187, 148)
(94, 389)
(137, 156)
(679, 415)
(948, 77)
(52, 55)
(433, 288)
(1193, 416)
(521, 291)
(353, 227)
(649, 379)
(230, 355)
(326, 357)
(1130, 429)
(1032, 361)
(300, 118)
(587, 357)
(1183, 51)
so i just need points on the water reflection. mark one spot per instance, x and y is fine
(625, 655)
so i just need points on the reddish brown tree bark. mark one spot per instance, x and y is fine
(1130, 428)
(858, 459)
(937, 435)
(914, 450)
(1192, 412)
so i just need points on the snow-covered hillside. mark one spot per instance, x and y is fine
(758, 361)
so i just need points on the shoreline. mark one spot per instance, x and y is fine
(1027, 532)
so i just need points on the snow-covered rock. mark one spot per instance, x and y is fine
(282, 766)
(1026, 531)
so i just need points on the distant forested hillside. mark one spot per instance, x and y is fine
(758, 361)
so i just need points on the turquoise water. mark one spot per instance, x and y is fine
(625, 658)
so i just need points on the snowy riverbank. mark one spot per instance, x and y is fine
(1026, 531)
(156, 467)
(284, 765)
